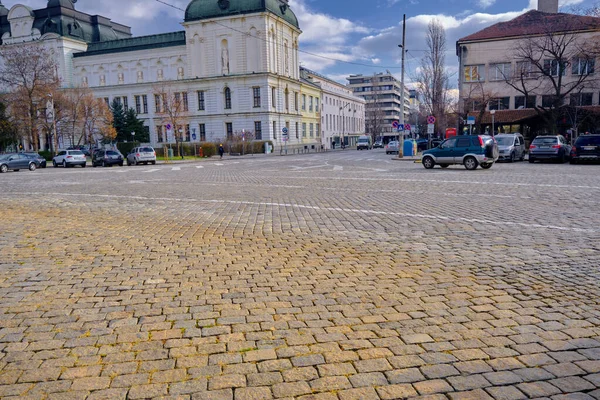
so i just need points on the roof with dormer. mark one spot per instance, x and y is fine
(208, 9)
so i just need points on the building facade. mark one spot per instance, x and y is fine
(539, 61)
(342, 113)
(235, 67)
(382, 93)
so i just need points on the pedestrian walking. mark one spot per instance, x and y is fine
(221, 150)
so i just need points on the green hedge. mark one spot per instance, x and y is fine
(210, 149)
(46, 154)
(125, 148)
(255, 147)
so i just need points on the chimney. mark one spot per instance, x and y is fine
(548, 6)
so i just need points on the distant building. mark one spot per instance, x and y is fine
(382, 93)
(342, 113)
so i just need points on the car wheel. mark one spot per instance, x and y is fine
(121, 164)
(104, 164)
(573, 161)
(444, 165)
(563, 158)
(83, 165)
(531, 160)
(135, 162)
(512, 158)
(32, 167)
(54, 164)
(428, 162)
(153, 162)
(64, 164)
(487, 165)
(3, 168)
(470, 163)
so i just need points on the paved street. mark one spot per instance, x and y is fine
(342, 275)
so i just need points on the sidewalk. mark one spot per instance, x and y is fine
(177, 160)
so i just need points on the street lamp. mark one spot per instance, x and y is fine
(343, 110)
(54, 137)
(493, 112)
(133, 137)
(180, 142)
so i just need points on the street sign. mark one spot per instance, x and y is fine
(284, 130)
(407, 127)
(431, 120)
(395, 124)
(400, 127)
(168, 126)
(193, 136)
(471, 120)
(430, 128)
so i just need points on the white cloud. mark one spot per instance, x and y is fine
(486, 3)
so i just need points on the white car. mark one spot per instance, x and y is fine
(141, 155)
(69, 158)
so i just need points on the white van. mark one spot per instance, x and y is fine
(364, 142)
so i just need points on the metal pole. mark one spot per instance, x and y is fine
(400, 144)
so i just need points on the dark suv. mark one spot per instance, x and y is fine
(470, 151)
(586, 148)
(107, 158)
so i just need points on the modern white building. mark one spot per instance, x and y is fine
(342, 113)
(235, 65)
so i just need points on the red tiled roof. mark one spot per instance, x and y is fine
(505, 116)
(535, 23)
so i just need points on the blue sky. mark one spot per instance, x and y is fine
(363, 32)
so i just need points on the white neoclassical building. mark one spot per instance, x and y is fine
(235, 64)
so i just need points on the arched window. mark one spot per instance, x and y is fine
(227, 98)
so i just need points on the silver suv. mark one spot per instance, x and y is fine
(141, 155)
(511, 146)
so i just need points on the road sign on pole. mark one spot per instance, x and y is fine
(430, 128)
(430, 120)
(395, 124)
(471, 120)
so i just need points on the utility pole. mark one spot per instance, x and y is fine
(403, 47)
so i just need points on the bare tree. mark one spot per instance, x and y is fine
(96, 119)
(29, 74)
(476, 99)
(172, 108)
(432, 79)
(543, 62)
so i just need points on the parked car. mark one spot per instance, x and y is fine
(378, 145)
(141, 155)
(586, 148)
(16, 162)
(84, 149)
(470, 151)
(422, 144)
(40, 162)
(69, 158)
(364, 143)
(511, 147)
(392, 147)
(553, 148)
(107, 158)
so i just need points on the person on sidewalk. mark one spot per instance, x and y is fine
(221, 150)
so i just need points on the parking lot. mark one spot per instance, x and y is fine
(341, 275)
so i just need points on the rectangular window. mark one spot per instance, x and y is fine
(304, 129)
(157, 103)
(316, 104)
(107, 101)
(159, 133)
(500, 72)
(296, 101)
(188, 136)
(145, 103)
(200, 100)
(474, 73)
(303, 102)
(256, 94)
(229, 129)
(312, 132)
(583, 66)
(501, 103)
(524, 69)
(297, 131)
(125, 103)
(202, 132)
(554, 67)
(310, 104)
(273, 97)
(138, 104)
(318, 130)
(274, 130)
(258, 130)
(524, 102)
(227, 99)
(185, 101)
(287, 100)
(548, 101)
(581, 99)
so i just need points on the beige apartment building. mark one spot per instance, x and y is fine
(510, 72)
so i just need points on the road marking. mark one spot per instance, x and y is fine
(219, 164)
(151, 170)
(338, 168)
(352, 211)
(199, 166)
(176, 169)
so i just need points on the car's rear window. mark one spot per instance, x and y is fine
(75, 152)
(147, 149)
(545, 140)
(588, 140)
(112, 153)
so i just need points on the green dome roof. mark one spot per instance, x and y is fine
(205, 9)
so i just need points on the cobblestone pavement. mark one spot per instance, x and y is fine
(331, 276)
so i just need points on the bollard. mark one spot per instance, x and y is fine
(201, 152)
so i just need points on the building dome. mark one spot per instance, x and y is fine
(205, 9)
(62, 3)
(3, 10)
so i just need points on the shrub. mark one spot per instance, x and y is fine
(125, 148)
(46, 154)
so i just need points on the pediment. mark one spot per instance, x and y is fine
(20, 11)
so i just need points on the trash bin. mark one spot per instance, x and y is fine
(410, 148)
(170, 153)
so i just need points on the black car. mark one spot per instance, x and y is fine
(586, 148)
(107, 158)
(40, 162)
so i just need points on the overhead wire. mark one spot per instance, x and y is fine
(299, 50)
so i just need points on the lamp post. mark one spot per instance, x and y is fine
(493, 112)
(180, 142)
(343, 110)
(133, 137)
(54, 137)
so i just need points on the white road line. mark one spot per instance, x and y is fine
(199, 166)
(338, 168)
(176, 169)
(325, 209)
(219, 164)
(151, 170)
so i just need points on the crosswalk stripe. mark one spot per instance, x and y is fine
(152, 170)
(176, 169)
